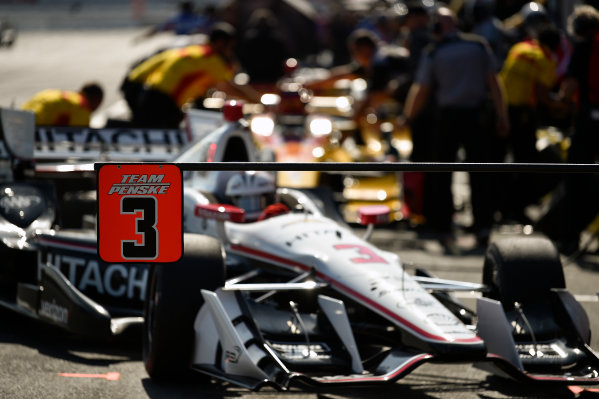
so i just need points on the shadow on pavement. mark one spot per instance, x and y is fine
(58, 343)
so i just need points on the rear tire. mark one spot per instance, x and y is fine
(172, 303)
(522, 269)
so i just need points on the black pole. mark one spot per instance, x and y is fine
(379, 166)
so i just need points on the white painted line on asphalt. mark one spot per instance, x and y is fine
(586, 298)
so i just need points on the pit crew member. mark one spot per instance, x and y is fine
(53, 107)
(179, 76)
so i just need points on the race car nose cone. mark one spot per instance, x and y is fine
(233, 110)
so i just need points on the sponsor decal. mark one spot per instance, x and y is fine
(232, 355)
(317, 234)
(86, 140)
(87, 274)
(420, 302)
(8, 203)
(140, 184)
(443, 319)
(21, 204)
(423, 302)
(54, 312)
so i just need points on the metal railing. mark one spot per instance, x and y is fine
(384, 167)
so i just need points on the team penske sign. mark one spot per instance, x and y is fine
(140, 213)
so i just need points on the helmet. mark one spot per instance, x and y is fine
(251, 191)
(531, 9)
(533, 14)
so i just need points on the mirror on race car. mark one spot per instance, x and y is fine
(373, 214)
(220, 212)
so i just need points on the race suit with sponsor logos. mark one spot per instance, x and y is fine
(174, 78)
(527, 64)
(185, 74)
(59, 108)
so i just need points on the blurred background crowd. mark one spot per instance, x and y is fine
(475, 80)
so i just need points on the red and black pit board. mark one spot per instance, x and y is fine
(140, 212)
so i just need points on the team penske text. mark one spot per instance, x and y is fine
(140, 184)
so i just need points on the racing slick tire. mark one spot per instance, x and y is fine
(522, 269)
(172, 303)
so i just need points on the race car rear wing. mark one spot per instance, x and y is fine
(54, 147)
(16, 140)
(130, 144)
(16, 129)
(66, 143)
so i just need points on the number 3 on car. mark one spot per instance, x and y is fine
(139, 212)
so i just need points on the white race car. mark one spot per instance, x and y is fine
(288, 293)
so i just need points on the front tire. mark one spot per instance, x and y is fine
(522, 269)
(172, 303)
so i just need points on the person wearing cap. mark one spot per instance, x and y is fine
(176, 77)
(459, 71)
(54, 107)
(527, 23)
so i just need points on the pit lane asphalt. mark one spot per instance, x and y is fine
(32, 355)
(35, 356)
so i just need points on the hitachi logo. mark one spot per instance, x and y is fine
(87, 275)
(140, 184)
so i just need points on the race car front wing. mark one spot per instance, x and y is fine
(229, 347)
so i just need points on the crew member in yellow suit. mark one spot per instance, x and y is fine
(528, 76)
(176, 77)
(53, 107)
